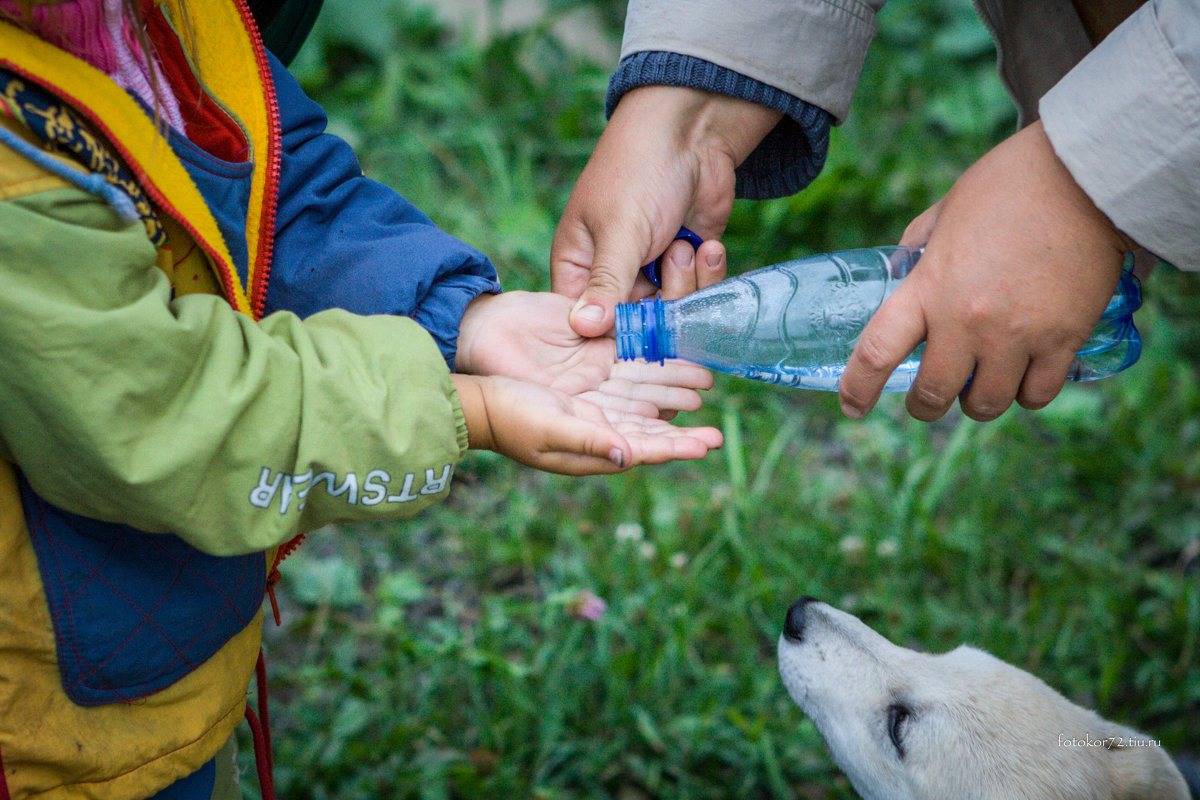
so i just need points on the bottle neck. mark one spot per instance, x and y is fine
(641, 331)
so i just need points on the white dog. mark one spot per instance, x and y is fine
(961, 725)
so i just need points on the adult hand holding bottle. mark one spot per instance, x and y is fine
(1018, 267)
(666, 159)
(1019, 263)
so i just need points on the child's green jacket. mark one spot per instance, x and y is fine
(208, 346)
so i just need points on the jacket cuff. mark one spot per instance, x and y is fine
(813, 49)
(786, 160)
(1124, 123)
(460, 419)
(440, 312)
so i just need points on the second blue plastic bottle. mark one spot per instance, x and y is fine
(796, 323)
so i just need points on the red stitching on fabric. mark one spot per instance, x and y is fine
(89, 671)
(92, 669)
(147, 619)
(39, 524)
(183, 257)
(95, 570)
(187, 565)
(230, 605)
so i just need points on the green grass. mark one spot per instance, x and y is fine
(442, 658)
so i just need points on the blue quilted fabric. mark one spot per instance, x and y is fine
(134, 612)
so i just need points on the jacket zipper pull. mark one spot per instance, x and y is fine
(272, 579)
(273, 576)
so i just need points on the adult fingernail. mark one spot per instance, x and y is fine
(593, 313)
(681, 257)
(617, 457)
(714, 260)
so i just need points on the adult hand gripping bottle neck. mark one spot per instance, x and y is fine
(796, 323)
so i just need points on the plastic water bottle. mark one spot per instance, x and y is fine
(796, 323)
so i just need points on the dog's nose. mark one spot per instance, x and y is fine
(793, 623)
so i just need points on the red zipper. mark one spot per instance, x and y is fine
(257, 293)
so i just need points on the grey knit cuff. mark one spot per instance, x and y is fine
(786, 160)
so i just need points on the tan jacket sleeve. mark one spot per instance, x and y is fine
(1126, 122)
(181, 415)
(812, 49)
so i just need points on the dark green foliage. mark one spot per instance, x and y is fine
(443, 658)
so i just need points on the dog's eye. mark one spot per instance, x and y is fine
(897, 722)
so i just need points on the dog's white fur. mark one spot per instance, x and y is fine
(976, 727)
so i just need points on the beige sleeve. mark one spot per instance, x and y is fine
(811, 49)
(1126, 122)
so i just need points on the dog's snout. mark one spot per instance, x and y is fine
(793, 623)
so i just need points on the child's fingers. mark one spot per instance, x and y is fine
(595, 453)
(663, 398)
(624, 405)
(584, 443)
(659, 449)
(577, 465)
(601, 441)
(673, 372)
(626, 423)
(655, 441)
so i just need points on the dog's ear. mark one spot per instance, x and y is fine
(1140, 769)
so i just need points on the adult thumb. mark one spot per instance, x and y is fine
(610, 282)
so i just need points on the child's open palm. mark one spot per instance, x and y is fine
(527, 335)
(557, 432)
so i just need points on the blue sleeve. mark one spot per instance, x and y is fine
(345, 241)
(786, 160)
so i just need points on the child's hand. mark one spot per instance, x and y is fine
(527, 335)
(556, 432)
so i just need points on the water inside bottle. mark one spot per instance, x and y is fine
(826, 377)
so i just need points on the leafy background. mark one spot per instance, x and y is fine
(447, 657)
